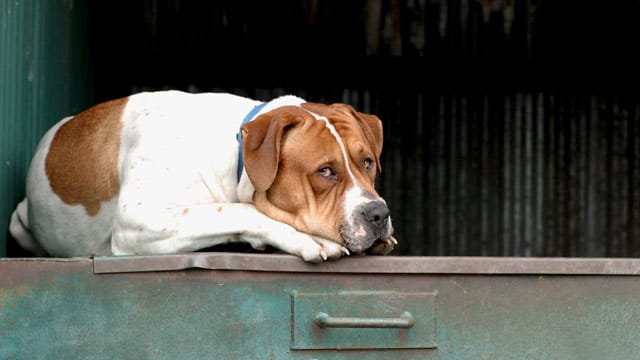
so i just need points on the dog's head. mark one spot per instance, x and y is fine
(314, 166)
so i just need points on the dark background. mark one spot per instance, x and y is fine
(414, 45)
(512, 128)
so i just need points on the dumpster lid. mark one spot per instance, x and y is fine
(368, 264)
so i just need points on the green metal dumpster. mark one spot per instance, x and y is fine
(269, 306)
(259, 306)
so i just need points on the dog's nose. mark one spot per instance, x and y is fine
(376, 212)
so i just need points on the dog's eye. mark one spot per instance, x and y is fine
(367, 163)
(327, 173)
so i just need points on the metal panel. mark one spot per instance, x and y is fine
(366, 265)
(44, 76)
(61, 309)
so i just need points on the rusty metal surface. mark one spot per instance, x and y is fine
(370, 264)
(52, 308)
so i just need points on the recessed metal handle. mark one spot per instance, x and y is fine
(324, 320)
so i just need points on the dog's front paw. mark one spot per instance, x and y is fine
(313, 253)
(320, 249)
(310, 248)
(332, 249)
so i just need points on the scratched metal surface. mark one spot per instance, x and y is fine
(53, 308)
(369, 264)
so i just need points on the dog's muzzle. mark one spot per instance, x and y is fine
(369, 223)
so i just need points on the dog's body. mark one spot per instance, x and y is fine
(163, 172)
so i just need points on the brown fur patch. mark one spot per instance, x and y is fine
(82, 163)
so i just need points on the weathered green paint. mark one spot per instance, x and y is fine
(61, 309)
(44, 75)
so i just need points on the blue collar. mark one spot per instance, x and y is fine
(246, 119)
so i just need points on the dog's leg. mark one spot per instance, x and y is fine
(145, 230)
(19, 229)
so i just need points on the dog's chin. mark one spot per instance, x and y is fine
(358, 248)
(361, 237)
(374, 246)
(367, 240)
(382, 246)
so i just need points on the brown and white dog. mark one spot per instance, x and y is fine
(167, 172)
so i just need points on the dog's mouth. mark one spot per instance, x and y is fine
(368, 229)
(381, 244)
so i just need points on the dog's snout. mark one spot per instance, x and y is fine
(376, 212)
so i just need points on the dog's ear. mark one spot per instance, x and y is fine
(261, 143)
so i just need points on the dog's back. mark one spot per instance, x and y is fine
(76, 174)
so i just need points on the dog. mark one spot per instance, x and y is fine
(166, 172)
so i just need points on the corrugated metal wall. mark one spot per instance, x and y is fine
(523, 174)
(44, 74)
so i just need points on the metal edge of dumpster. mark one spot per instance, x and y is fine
(368, 264)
